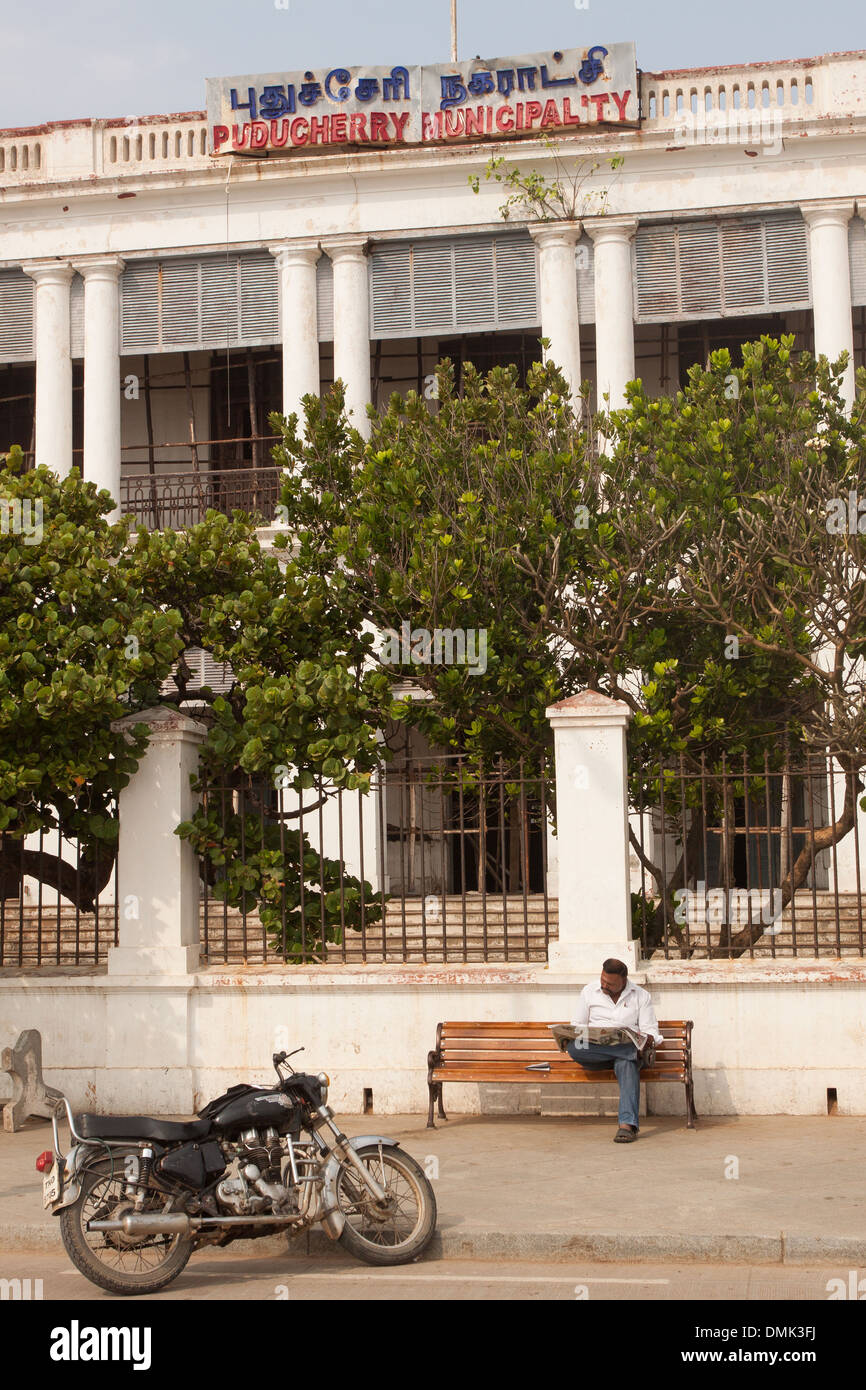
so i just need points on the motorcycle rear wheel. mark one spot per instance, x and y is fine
(398, 1234)
(114, 1262)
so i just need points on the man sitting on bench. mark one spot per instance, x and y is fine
(615, 1003)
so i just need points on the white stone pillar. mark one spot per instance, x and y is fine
(53, 364)
(352, 326)
(158, 878)
(102, 373)
(592, 831)
(831, 283)
(299, 322)
(560, 321)
(614, 307)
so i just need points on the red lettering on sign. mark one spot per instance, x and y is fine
(358, 128)
(259, 135)
(278, 140)
(551, 115)
(379, 126)
(601, 101)
(320, 130)
(245, 136)
(533, 111)
(220, 135)
(474, 121)
(567, 118)
(518, 125)
(299, 136)
(504, 118)
(454, 123)
(338, 129)
(621, 102)
(399, 124)
(431, 125)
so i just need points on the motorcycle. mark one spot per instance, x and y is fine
(137, 1195)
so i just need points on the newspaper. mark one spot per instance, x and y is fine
(582, 1034)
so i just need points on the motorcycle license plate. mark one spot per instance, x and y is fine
(51, 1187)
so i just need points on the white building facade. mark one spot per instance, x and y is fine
(166, 282)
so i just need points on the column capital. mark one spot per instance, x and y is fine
(590, 707)
(556, 233)
(99, 267)
(349, 248)
(49, 272)
(296, 253)
(603, 229)
(166, 723)
(838, 211)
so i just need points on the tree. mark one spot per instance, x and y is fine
(96, 619)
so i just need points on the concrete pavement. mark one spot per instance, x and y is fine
(738, 1190)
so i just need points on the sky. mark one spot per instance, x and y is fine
(62, 59)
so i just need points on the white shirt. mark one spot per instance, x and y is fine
(633, 1009)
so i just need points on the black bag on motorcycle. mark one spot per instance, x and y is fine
(194, 1165)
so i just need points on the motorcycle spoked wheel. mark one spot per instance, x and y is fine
(117, 1263)
(402, 1230)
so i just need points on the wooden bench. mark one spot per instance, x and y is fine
(501, 1053)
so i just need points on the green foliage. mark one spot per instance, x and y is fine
(562, 197)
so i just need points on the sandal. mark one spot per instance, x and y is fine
(625, 1135)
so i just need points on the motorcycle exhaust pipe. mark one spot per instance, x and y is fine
(166, 1224)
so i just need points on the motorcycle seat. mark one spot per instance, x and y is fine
(91, 1126)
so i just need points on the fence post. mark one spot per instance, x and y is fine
(158, 893)
(589, 733)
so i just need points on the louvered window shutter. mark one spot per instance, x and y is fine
(697, 270)
(516, 282)
(195, 302)
(205, 671)
(585, 257)
(433, 287)
(857, 259)
(259, 293)
(474, 284)
(390, 291)
(17, 317)
(325, 298)
(76, 316)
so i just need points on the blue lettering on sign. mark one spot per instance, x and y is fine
(453, 92)
(505, 81)
(311, 90)
(547, 81)
(396, 87)
(249, 105)
(481, 84)
(592, 67)
(527, 76)
(367, 88)
(276, 101)
(342, 76)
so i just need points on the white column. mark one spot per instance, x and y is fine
(614, 308)
(157, 873)
(592, 831)
(53, 365)
(102, 373)
(352, 326)
(299, 322)
(560, 321)
(831, 284)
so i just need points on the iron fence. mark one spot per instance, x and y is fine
(176, 499)
(439, 861)
(747, 860)
(58, 901)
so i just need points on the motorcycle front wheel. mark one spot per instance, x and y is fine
(397, 1231)
(115, 1262)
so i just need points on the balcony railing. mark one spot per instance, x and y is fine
(176, 500)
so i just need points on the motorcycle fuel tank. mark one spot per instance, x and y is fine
(257, 1110)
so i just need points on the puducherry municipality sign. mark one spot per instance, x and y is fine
(568, 91)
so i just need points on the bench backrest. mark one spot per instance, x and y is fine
(525, 1042)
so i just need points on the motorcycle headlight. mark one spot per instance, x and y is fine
(324, 1081)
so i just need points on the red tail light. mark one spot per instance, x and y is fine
(45, 1161)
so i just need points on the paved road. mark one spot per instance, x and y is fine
(338, 1278)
